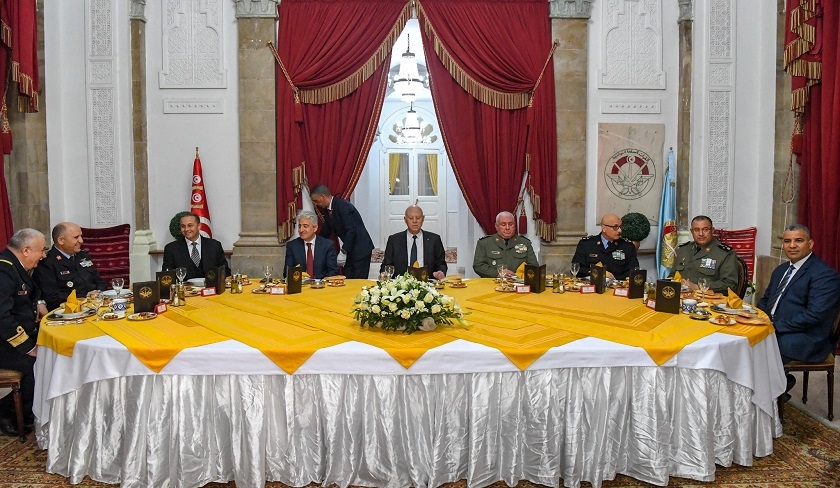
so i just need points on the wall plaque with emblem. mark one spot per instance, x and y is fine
(668, 296)
(420, 273)
(637, 283)
(598, 277)
(535, 277)
(146, 295)
(215, 278)
(165, 279)
(294, 279)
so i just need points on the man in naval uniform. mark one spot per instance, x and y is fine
(66, 267)
(615, 253)
(706, 257)
(505, 247)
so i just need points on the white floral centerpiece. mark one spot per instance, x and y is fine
(405, 304)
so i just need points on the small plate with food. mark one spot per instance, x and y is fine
(111, 316)
(142, 316)
(722, 320)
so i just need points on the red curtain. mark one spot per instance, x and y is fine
(819, 198)
(334, 57)
(485, 57)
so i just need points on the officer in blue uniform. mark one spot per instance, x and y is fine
(615, 253)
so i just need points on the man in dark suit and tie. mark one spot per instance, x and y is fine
(802, 301)
(194, 252)
(415, 245)
(314, 253)
(343, 220)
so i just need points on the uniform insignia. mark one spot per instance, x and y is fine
(724, 247)
(58, 258)
(493, 262)
(69, 284)
(708, 263)
(86, 263)
(496, 253)
(18, 338)
(618, 255)
(520, 248)
(65, 272)
(593, 255)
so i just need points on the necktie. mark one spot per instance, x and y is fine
(310, 261)
(413, 258)
(194, 254)
(782, 285)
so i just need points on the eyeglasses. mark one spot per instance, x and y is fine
(704, 230)
(616, 227)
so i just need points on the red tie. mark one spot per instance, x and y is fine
(310, 261)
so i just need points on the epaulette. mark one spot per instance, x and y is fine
(686, 243)
(586, 238)
(626, 240)
(485, 237)
(724, 246)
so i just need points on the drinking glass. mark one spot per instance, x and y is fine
(267, 270)
(389, 270)
(180, 273)
(502, 269)
(703, 284)
(574, 268)
(117, 285)
(96, 301)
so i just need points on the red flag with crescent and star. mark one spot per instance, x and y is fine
(198, 199)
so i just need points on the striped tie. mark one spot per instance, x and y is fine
(782, 285)
(196, 258)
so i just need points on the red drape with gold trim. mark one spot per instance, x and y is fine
(484, 59)
(817, 23)
(337, 55)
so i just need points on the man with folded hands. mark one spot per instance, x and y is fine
(315, 254)
(707, 257)
(415, 245)
(67, 267)
(802, 300)
(21, 308)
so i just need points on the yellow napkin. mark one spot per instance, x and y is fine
(72, 304)
(520, 271)
(678, 277)
(416, 264)
(733, 300)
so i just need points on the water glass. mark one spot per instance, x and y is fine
(117, 285)
(703, 284)
(180, 273)
(389, 270)
(267, 270)
(502, 269)
(574, 268)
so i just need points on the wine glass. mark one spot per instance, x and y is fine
(574, 268)
(389, 270)
(180, 273)
(267, 270)
(703, 284)
(502, 269)
(117, 285)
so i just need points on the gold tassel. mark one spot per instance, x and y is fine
(6, 34)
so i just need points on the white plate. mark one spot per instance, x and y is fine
(60, 315)
(112, 294)
(731, 321)
(720, 308)
(197, 282)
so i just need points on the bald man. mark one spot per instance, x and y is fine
(617, 254)
(415, 245)
(66, 267)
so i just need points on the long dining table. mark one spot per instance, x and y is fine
(551, 388)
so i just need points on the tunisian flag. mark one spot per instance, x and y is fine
(198, 200)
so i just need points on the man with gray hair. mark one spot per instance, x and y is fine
(505, 247)
(21, 308)
(314, 253)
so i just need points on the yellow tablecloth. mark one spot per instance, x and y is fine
(289, 329)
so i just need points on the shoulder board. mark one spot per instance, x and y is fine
(586, 238)
(724, 246)
(686, 243)
(626, 240)
(485, 237)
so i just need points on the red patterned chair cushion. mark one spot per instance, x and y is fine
(742, 241)
(108, 248)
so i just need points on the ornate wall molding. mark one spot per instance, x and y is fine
(193, 44)
(193, 106)
(256, 8)
(686, 10)
(101, 111)
(570, 9)
(614, 106)
(137, 10)
(632, 40)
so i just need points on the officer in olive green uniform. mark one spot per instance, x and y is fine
(504, 247)
(713, 260)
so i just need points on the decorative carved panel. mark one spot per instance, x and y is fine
(632, 45)
(610, 106)
(193, 106)
(193, 44)
(720, 28)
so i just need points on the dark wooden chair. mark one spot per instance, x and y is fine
(743, 277)
(108, 248)
(10, 378)
(827, 366)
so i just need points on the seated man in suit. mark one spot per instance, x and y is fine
(504, 247)
(802, 301)
(343, 220)
(67, 267)
(314, 253)
(707, 257)
(194, 252)
(415, 245)
(617, 254)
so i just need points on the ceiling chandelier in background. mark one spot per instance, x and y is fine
(412, 129)
(408, 81)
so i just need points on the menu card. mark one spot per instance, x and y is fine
(294, 279)
(637, 283)
(535, 277)
(668, 296)
(146, 295)
(598, 277)
(165, 279)
(421, 273)
(215, 278)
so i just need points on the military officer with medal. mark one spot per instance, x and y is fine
(617, 254)
(67, 267)
(707, 257)
(505, 247)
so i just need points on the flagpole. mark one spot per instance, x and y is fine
(666, 245)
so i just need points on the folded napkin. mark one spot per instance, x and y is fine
(416, 264)
(520, 271)
(72, 304)
(678, 277)
(733, 300)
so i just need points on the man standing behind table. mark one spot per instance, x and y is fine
(21, 308)
(194, 252)
(66, 267)
(505, 247)
(415, 245)
(343, 220)
(314, 253)
(802, 301)
(615, 253)
(707, 257)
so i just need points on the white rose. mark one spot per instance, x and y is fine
(375, 292)
(375, 309)
(374, 300)
(392, 307)
(429, 298)
(415, 293)
(435, 309)
(405, 314)
(406, 298)
(419, 306)
(428, 324)
(365, 293)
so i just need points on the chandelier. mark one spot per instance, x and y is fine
(412, 130)
(408, 81)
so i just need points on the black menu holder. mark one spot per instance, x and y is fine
(421, 273)
(146, 295)
(165, 279)
(668, 296)
(637, 283)
(598, 277)
(215, 278)
(535, 278)
(294, 279)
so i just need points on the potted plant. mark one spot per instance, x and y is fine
(635, 227)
